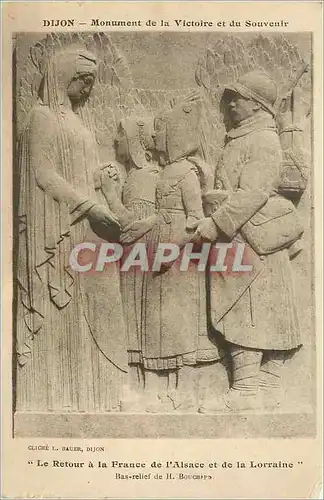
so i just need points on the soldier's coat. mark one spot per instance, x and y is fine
(255, 309)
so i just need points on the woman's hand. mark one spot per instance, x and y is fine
(103, 222)
(109, 178)
(111, 170)
(99, 214)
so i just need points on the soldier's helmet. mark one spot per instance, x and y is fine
(258, 86)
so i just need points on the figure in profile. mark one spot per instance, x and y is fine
(254, 311)
(69, 359)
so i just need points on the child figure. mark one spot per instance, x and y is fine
(133, 145)
(174, 324)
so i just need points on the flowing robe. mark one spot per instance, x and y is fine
(71, 344)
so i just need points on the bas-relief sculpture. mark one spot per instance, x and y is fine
(174, 328)
(258, 324)
(66, 361)
(139, 341)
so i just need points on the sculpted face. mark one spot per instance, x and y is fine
(121, 146)
(80, 87)
(159, 137)
(237, 108)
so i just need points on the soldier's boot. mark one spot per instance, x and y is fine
(271, 391)
(244, 392)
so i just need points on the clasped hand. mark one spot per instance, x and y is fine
(99, 214)
(206, 230)
(106, 177)
(136, 229)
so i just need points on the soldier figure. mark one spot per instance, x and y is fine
(254, 311)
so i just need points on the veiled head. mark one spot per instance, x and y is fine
(178, 131)
(70, 72)
(134, 141)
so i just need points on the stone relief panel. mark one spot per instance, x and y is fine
(189, 139)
